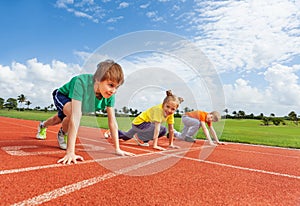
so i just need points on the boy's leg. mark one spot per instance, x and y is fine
(186, 126)
(192, 126)
(42, 128)
(64, 108)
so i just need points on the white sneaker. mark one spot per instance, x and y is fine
(144, 144)
(62, 139)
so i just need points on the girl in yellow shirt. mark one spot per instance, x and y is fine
(147, 126)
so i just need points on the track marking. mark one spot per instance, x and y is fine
(48, 196)
(17, 150)
(165, 153)
(244, 168)
(263, 153)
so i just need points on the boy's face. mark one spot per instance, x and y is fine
(209, 118)
(169, 108)
(105, 88)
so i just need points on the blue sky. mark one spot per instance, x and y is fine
(253, 45)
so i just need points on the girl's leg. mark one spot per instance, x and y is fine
(126, 135)
(146, 134)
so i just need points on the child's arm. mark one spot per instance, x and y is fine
(155, 136)
(171, 136)
(214, 134)
(113, 127)
(72, 134)
(206, 132)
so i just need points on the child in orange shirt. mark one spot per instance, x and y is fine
(194, 120)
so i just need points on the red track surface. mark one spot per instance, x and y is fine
(233, 174)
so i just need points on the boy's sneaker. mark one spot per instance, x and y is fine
(189, 139)
(42, 131)
(62, 139)
(144, 144)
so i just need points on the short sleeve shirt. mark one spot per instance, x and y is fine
(200, 115)
(81, 88)
(153, 114)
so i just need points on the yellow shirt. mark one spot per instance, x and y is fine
(153, 114)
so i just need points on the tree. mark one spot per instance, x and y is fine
(186, 109)
(226, 112)
(21, 98)
(266, 121)
(51, 106)
(293, 117)
(241, 114)
(1, 102)
(28, 103)
(125, 110)
(11, 103)
(234, 113)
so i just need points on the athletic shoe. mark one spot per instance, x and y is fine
(144, 144)
(107, 134)
(189, 139)
(42, 131)
(62, 139)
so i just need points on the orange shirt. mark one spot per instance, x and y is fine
(200, 115)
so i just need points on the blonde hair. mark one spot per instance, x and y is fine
(216, 116)
(171, 97)
(109, 70)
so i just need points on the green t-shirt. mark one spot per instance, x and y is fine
(81, 88)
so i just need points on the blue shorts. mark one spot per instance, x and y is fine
(60, 100)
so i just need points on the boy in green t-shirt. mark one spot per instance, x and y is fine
(82, 94)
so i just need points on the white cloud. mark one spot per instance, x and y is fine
(35, 80)
(247, 34)
(283, 82)
(123, 5)
(115, 19)
(145, 6)
(63, 3)
(154, 16)
(280, 96)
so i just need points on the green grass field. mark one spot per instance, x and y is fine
(229, 130)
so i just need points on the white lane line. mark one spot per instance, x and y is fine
(167, 153)
(244, 168)
(48, 196)
(27, 169)
(220, 147)
(263, 153)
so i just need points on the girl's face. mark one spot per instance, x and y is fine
(105, 88)
(169, 108)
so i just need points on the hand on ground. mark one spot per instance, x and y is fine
(124, 153)
(174, 147)
(69, 158)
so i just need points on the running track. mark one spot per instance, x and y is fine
(196, 174)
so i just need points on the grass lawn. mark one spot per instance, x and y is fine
(244, 131)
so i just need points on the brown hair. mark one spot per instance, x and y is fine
(109, 70)
(171, 97)
(216, 116)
